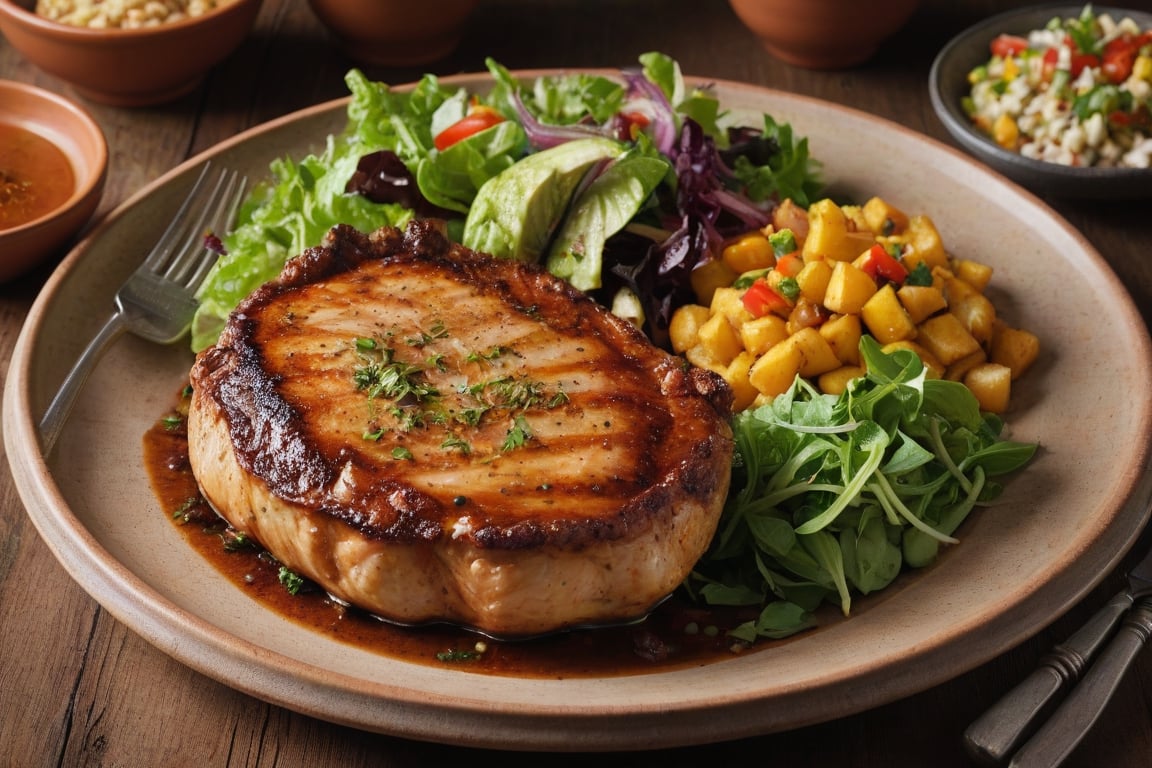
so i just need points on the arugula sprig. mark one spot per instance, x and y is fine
(834, 496)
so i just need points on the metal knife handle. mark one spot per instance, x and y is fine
(996, 734)
(1067, 726)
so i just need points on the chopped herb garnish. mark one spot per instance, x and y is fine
(183, 514)
(488, 355)
(437, 331)
(290, 580)
(919, 275)
(400, 453)
(472, 416)
(237, 541)
(457, 655)
(519, 434)
(458, 443)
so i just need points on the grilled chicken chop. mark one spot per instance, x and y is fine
(434, 435)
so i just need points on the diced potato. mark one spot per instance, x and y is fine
(883, 218)
(702, 357)
(684, 327)
(836, 381)
(849, 289)
(921, 301)
(974, 273)
(946, 338)
(729, 301)
(749, 252)
(842, 332)
(1015, 348)
(977, 314)
(935, 369)
(773, 373)
(719, 336)
(856, 220)
(829, 236)
(885, 317)
(813, 280)
(924, 243)
(736, 374)
(992, 386)
(955, 289)
(709, 276)
(816, 354)
(759, 335)
(959, 369)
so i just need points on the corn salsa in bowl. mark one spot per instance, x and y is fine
(1057, 98)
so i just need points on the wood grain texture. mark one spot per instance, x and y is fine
(79, 689)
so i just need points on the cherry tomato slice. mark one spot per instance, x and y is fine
(1008, 45)
(478, 119)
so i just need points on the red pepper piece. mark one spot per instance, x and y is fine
(881, 265)
(761, 299)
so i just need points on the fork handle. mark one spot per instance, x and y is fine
(1067, 726)
(52, 423)
(1002, 728)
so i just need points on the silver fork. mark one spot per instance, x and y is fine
(157, 301)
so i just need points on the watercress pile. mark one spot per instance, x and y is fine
(833, 496)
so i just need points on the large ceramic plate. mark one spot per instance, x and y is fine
(1061, 526)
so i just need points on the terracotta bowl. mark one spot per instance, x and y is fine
(129, 67)
(395, 32)
(73, 131)
(823, 34)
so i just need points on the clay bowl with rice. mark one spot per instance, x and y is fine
(53, 162)
(131, 53)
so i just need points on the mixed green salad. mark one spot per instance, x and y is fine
(623, 186)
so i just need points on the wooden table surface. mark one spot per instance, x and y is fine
(79, 688)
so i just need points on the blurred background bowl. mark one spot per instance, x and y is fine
(823, 34)
(948, 86)
(129, 67)
(73, 131)
(395, 33)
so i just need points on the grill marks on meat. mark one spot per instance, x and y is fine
(547, 468)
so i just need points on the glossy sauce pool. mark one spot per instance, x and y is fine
(35, 176)
(677, 634)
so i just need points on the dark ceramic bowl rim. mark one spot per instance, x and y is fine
(946, 90)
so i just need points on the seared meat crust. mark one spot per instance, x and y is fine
(540, 466)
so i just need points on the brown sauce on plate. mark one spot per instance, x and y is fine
(677, 634)
(36, 177)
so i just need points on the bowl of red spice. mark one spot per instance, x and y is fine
(53, 162)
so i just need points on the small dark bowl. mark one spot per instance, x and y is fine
(948, 85)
